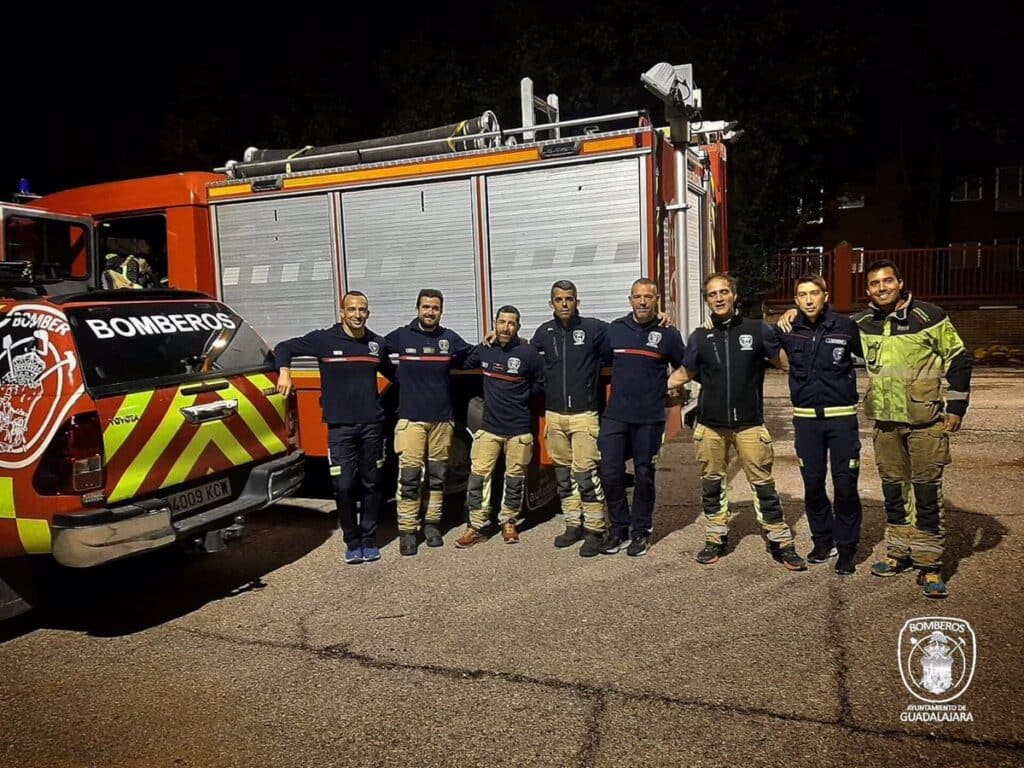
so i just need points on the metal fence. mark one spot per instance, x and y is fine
(974, 275)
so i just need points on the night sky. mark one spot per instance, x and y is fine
(818, 89)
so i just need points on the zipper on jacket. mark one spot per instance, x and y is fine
(565, 391)
(728, 381)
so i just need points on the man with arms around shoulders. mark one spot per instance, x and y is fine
(513, 374)
(729, 361)
(641, 351)
(426, 352)
(349, 356)
(571, 346)
(823, 388)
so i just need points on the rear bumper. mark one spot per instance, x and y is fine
(81, 541)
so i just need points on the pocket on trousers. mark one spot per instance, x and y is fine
(937, 445)
(401, 435)
(766, 446)
(519, 450)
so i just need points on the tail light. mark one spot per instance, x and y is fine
(73, 464)
(292, 420)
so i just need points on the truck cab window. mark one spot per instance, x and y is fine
(133, 252)
(58, 250)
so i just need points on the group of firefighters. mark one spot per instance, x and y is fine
(907, 345)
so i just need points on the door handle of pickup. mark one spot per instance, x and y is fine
(198, 414)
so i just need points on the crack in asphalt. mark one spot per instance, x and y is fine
(597, 693)
(592, 738)
(837, 608)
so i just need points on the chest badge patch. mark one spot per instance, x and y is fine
(653, 338)
(746, 342)
(837, 354)
(374, 348)
(513, 364)
(443, 344)
(578, 337)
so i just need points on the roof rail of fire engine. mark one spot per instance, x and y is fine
(310, 161)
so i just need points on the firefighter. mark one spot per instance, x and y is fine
(820, 346)
(908, 345)
(426, 354)
(349, 357)
(571, 347)
(729, 361)
(513, 374)
(634, 422)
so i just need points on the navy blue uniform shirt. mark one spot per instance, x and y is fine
(821, 371)
(729, 361)
(425, 360)
(513, 374)
(640, 357)
(348, 371)
(572, 362)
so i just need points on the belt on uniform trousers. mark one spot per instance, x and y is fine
(828, 412)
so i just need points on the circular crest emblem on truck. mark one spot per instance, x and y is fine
(39, 380)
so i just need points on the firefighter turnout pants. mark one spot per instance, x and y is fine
(618, 441)
(356, 455)
(486, 451)
(571, 440)
(910, 462)
(416, 443)
(757, 454)
(824, 443)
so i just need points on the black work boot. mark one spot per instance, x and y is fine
(591, 544)
(844, 563)
(407, 544)
(432, 535)
(570, 536)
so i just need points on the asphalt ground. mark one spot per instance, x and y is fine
(275, 653)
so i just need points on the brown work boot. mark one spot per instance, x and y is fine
(470, 537)
(509, 534)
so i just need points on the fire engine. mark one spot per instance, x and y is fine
(490, 216)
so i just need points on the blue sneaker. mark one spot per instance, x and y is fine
(370, 552)
(354, 554)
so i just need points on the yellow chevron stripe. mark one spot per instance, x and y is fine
(211, 432)
(146, 459)
(34, 534)
(7, 498)
(115, 434)
(254, 420)
(263, 383)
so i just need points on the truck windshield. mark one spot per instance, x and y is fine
(140, 345)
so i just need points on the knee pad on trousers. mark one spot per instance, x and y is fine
(927, 496)
(409, 482)
(711, 494)
(768, 499)
(513, 493)
(475, 492)
(435, 474)
(563, 476)
(589, 489)
(895, 504)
